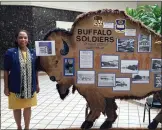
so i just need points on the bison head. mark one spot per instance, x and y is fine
(63, 90)
(54, 65)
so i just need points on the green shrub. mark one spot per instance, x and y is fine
(150, 15)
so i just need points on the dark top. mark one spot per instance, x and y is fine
(12, 64)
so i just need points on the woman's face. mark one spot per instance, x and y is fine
(22, 39)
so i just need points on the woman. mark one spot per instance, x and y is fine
(21, 78)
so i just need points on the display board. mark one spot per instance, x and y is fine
(108, 52)
(116, 55)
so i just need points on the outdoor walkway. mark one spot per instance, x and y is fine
(52, 112)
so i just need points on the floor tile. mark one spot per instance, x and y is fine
(56, 122)
(63, 126)
(48, 118)
(40, 126)
(67, 122)
(32, 125)
(45, 121)
(123, 118)
(53, 113)
(123, 125)
(134, 121)
(58, 118)
(77, 123)
(52, 126)
(134, 125)
(10, 128)
(34, 121)
(80, 119)
(123, 122)
(10, 121)
(6, 124)
(75, 126)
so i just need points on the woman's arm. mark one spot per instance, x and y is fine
(6, 89)
(6, 73)
(37, 83)
(37, 80)
(7, 69)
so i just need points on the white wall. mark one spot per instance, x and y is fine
(149, 3)
(85, 6)
(75, 6)
(15, 2)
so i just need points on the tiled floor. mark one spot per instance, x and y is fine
(52, 112)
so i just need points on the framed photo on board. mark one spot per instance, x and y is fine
(130, 32)
(110, 61)
(69, 67)
(125, 45)
(122, 84)
(158, 80)
(156, 65)
(106, 80)
(86, 59)
(85, 77)
(45, 48)
(129, 66)
(141, 77)
(144, 43)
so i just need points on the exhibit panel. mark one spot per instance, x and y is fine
(124, 54)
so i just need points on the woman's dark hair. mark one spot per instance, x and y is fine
(17, 34)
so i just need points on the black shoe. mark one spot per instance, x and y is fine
(106, 125)
(153, 125)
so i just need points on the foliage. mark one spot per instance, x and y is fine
(150, 15)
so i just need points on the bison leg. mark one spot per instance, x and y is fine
(90, 119)
(111, 108)
(96, 103)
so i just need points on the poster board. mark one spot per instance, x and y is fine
(108, 47)
(124, 52)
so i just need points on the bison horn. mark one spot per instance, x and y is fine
(65, 50)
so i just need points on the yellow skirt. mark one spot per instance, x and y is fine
(17, 103)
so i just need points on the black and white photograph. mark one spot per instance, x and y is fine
(144, 43)
(156, 65)
(125, 45)
(130, 32)
(129, 66)
(109, 61)
(69, 67)
(157, 80)
(106, 80)
(86, 59)
(122, 84)
(86, 77)
(142, 76)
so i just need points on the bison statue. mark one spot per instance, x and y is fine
(98, 31)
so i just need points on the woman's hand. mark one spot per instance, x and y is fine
(37, 89)
(6, 91)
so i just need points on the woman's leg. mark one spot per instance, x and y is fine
(17, 116)
(27, 116)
